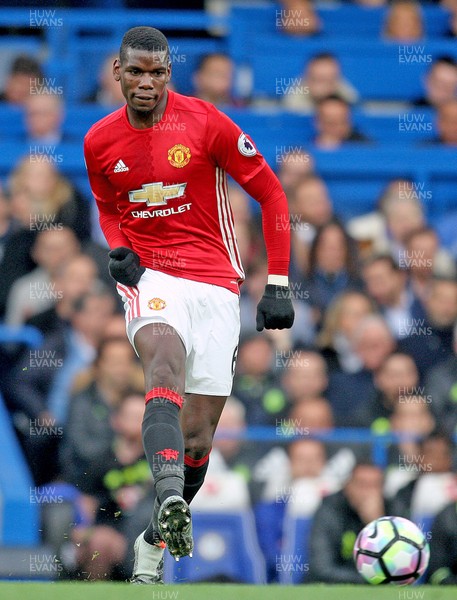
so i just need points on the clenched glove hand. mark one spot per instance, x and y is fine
(124, 266)
(275, 310)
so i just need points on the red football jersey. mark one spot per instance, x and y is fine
(168, 186)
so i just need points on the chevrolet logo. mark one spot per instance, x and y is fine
(157, 194)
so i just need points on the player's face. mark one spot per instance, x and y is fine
(143, 76)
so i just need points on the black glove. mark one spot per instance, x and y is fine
(124, 266)
(275, 310)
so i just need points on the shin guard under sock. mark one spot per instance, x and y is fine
(164, 446)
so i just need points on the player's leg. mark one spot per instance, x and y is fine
(199, 418)
(163, 356)
(209, 373)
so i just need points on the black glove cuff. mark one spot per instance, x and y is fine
(277, 292)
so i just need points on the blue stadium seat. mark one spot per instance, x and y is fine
(13, 45)
(356, 177)
(378, 70)
(410, 126)
(19, 516)
(338, 21)
(225, 544)
(295, 550)
(79, 118)
(269, 128)
(269, 517)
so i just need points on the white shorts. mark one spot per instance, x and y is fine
(205, 316)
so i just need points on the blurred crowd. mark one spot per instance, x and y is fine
(373, 346)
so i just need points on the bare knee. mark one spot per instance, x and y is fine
(163, 375)
(198, 445)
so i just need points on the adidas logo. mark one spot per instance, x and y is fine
(120, 167)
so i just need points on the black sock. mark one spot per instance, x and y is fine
(164, 448)
(194, 476)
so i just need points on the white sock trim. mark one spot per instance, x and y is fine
(278, 280)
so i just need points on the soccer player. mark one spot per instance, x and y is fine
(157, 168)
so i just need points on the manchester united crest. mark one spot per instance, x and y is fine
(179, 156)
(157, 304)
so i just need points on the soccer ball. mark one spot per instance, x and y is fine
(391, 550)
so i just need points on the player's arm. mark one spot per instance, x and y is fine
(124, 265)
(275, 310)
(232, 150)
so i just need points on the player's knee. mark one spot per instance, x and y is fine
(198, 445)
(163, 375)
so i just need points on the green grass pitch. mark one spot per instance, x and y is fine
(120, 591)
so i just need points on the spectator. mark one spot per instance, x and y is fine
(333, 266)
(23, 71)
(396, 379)
(441, 386)
(424, 259)
(7, 223)
(240, 471)
(40, 198)
(293, 166)
(299, 18)
(399, 213)
(40, 385)
(305, 376)
(120, 485)
(314, 416)
(404, 22)
(232, 473)
(451, 6)
(88, 434)
(36, 291)
(338, 521)
(411, 420)
(333, 124)
(311, 415)
(44, 114)
(442, 569)
(445, 227)
(307, 459)
(108, 93)
(255, 384)
(387, 284)
(447, 124)
(213, 80)
(372, 342)
(432, 342)
(340, 320)
(434, 484)
(310, 208)
(440, 82)
(321, 78)
(72, 280)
